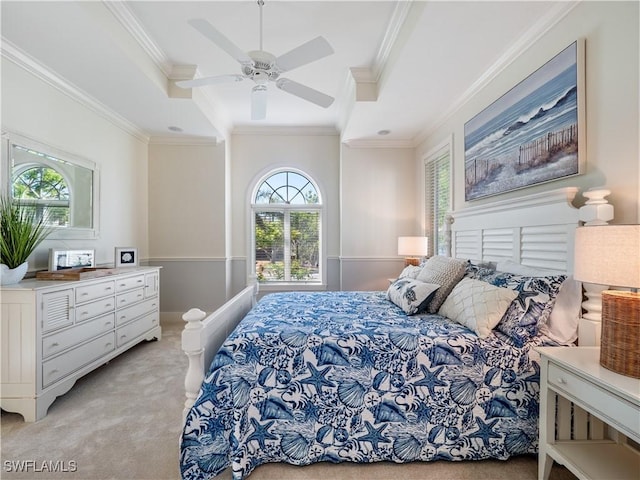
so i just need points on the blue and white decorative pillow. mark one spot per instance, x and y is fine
(411, 295)
(532, 306)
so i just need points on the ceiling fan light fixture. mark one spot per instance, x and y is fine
(259, 102)
(263, 67)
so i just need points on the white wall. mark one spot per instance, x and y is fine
(611, 32)
(37, 110)
(378, 205)
(187, 222)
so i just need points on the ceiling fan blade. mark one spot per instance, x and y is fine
(259, 102)
(213, 34)
(306, 53)
(304, 92)
(199, 82)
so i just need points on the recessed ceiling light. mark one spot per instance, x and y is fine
(173, 128)
(384, 132)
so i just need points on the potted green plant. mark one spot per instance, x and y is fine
(21, 232)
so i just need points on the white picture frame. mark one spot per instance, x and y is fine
(126, 257)
(67, 259)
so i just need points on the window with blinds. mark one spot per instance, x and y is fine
(286, 214)
(437, 173)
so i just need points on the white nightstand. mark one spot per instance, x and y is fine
(575, 375)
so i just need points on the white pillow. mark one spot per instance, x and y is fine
(411, 295)
(477, 305)
(562, 325)
(410, 271)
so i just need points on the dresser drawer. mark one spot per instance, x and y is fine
(93, 309)
(128, 283)
(134, 329)
(134, 311)
(128, 298)
(60, 341)
(62, 365)
(614, 409)
(87, 293)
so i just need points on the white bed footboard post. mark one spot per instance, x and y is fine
(194, 350)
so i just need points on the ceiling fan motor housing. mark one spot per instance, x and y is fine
(263, 68)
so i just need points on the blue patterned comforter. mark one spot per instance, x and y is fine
(347, 376)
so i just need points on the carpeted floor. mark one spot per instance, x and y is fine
(123, 421)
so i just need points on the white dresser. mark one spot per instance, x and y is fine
(588, 414)
(54, 332)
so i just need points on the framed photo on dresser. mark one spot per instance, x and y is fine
(126, 257)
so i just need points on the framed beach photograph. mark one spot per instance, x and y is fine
(534, 133)
(66, 259)
(126, 257)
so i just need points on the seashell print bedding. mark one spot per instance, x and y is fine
(348, 376)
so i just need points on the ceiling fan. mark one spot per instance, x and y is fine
(263, 67)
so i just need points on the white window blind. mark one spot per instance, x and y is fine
(437, 200)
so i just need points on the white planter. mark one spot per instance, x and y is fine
(9, 276)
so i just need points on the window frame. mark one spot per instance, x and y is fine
(319, 207)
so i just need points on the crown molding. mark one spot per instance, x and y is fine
(379, 143)
(552, 17)
(394, 29)
(285, 130)
(132, 25)
(23, 60)
(183, 141)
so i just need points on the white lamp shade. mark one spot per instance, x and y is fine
(608, 255)
(413, 246)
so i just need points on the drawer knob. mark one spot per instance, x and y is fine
(107, 344)
(55, 370)
(562, 381)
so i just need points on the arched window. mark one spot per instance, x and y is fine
(286, 220)
(44, 190)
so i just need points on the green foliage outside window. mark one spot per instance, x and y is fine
(43, 191)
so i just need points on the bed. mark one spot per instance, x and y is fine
(403, 375)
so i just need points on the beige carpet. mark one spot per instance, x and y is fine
(122, 421)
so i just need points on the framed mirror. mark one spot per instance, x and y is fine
(60, 186)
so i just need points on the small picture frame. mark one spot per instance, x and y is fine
(66, 259)
(126, 257)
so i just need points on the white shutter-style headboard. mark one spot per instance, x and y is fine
(535, 230)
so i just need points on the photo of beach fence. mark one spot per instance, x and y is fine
(528, 136)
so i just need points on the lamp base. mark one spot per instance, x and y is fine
(415, 261)
(620, 341)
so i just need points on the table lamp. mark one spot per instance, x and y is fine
(412, 248)
(610, 255)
